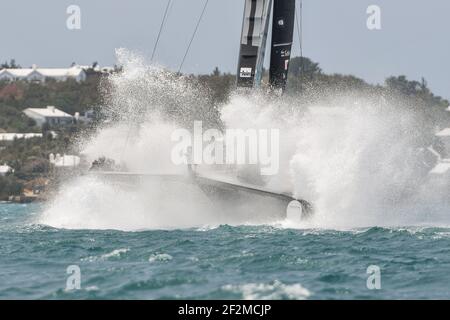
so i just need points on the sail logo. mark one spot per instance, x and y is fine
(245, 73)
(233, 147)
(285, 53)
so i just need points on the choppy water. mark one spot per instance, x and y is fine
(250, 262)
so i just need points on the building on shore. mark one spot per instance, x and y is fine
(5, 169)
(13, 136)
(85, 117)
(97, 68)
(49, 115)
(40, 75)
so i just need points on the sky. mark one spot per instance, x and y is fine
(413, 39)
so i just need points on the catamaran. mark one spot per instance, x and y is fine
(231, 197)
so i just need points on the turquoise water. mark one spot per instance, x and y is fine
(251, 262)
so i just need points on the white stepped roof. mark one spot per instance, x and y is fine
(12, 136)
(16, 72)
(46, 72)
(50, 111)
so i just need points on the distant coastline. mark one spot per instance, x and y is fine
(29, 159)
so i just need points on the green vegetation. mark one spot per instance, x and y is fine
(12, 64)
(69, 96)
(29, 158)
(9, 186)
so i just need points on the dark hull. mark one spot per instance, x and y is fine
(230, 202)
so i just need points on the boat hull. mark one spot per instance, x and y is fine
(229, 202)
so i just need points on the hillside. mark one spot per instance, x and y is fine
(307, 82)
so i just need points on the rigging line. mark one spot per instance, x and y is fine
(300, 38)
(193, 35)
(300, 27)
(169, 6)
(161, 28)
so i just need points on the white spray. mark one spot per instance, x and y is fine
(355, 161)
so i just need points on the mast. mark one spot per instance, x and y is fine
(282, 36)
(253, 42)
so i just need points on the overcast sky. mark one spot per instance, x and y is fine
(413, 40)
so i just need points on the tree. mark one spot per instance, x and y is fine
(305, 67)
(11, 65)
(216, 72)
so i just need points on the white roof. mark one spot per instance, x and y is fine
(50, 111)
(5, 168)
(444, 133)
(74, 72)
(12, 136)
(46, 72)
(16, 72)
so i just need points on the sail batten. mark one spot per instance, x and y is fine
(253, 42)
(255, 27)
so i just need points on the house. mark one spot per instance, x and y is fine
(97, 68)
(14, 136)
(35, 187)
(49, 115)
(5, 169)
(9, 137)
(107, 70)
(86, 117)
(35, 74)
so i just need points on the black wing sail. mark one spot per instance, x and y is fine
(282, 35)
(253, 42)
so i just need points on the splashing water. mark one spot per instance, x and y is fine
(355, 161)
(145, 105)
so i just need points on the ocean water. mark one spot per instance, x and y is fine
(223, 262)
